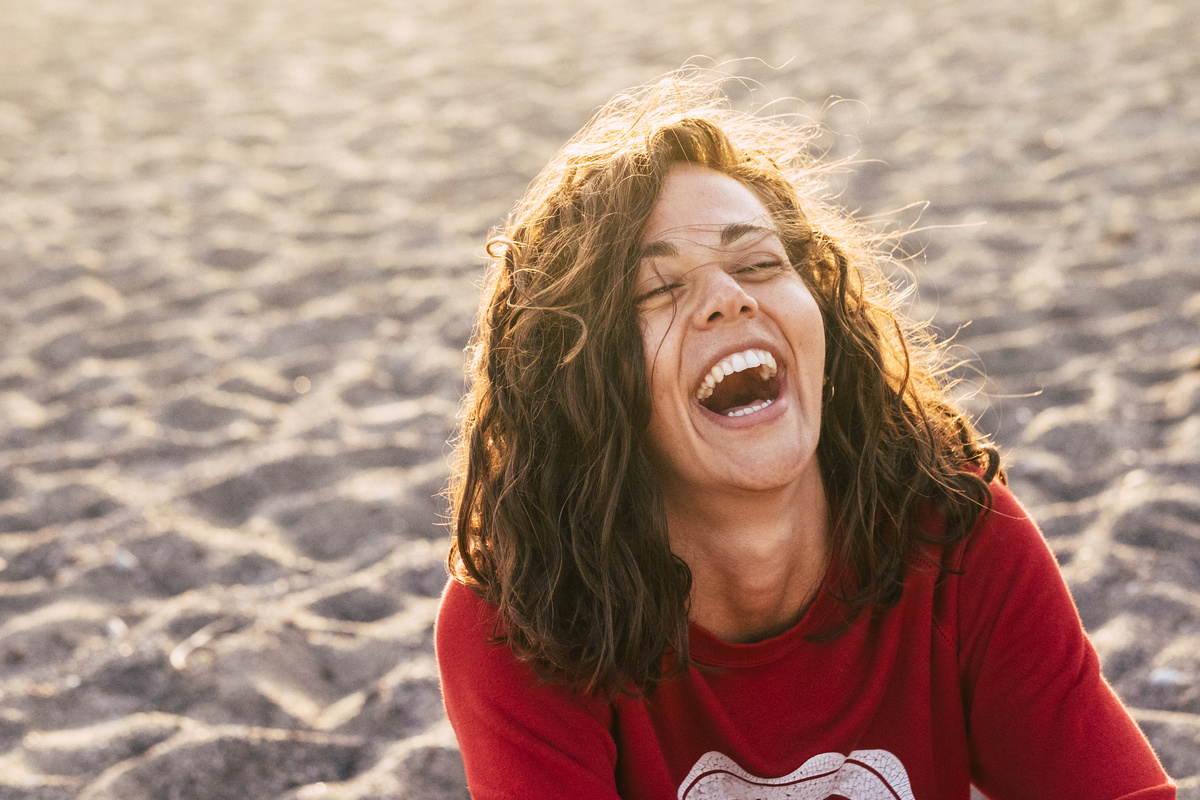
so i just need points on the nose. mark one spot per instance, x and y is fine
(723, 299)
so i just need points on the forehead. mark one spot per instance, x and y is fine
(696, 203)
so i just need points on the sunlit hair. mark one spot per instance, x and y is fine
(558, 518)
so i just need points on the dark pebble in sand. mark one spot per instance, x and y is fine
(436, 772)
(232, 768)
(232, 259)
(249, 570)
(335, 528)
(425, 582)
(403, 709)
(357, 605)
(62, 351)
(73, 502)
(191, 414)
(42, 560)
(172, 562)
(232, 501)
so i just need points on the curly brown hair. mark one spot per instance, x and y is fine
(558, 518)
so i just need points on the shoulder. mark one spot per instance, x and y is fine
(465, 629)
(1030, 679)
(475, 661)
(462, 607)
(1006, 511)
(519, 736)
(1008, 589)
(471, 665)
(1005, 537)
(1002, 574)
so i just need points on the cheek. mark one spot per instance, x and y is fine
(815, 323)
(807, 329)
(802, 309)
(655, 346)
(809, 310)
(815, 338)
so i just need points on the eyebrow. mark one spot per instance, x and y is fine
(729, 234)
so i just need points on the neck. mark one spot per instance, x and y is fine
(757, 558)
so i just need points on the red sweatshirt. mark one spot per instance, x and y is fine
(982, 677)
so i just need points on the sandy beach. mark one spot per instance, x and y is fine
(240, 250)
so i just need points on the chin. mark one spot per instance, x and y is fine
(767, 476)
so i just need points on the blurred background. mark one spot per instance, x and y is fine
(240, 250)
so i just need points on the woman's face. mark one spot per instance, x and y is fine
(734, 342)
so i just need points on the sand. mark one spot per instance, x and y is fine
(240, 246)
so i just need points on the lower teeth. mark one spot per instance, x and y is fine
(741, 412)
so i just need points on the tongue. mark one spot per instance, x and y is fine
(740, 390)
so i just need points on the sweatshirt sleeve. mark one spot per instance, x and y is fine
(520, 737)
(1042, 720)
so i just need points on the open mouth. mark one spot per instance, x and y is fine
(740, 384)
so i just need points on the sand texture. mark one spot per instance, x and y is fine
(240, 246)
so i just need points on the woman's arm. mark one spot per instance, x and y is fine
(520, 737)
(1042, 720)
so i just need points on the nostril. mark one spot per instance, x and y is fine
(713, 317)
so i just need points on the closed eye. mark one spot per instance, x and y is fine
(657, 291)
(765, 267)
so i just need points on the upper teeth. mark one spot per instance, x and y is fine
(747, 359)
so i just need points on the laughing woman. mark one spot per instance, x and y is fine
(718, 531)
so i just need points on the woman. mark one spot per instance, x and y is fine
(718, 532)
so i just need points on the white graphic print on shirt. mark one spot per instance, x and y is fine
(862, 775)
